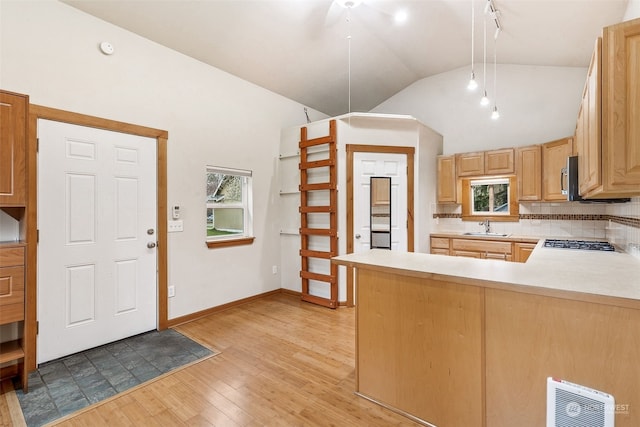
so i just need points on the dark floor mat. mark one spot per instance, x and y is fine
(65, 385)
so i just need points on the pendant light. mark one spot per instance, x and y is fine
(484, 101)
(472, 85)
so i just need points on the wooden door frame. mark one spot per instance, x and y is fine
(161, 136)
(351, 149)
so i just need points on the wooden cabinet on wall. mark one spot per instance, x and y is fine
(13, 201)
(495, 162)
(608, 127)
(554, 158)
(529, 173)
(470, 164)
(447, 183)
(588, 127)
(13, 116)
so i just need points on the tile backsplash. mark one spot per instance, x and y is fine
(618, 223)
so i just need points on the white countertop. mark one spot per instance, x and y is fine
(610, 274)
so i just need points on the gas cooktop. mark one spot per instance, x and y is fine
(579, 244)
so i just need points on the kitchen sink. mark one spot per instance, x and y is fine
(481, 233)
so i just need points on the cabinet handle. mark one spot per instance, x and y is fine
(563, 173)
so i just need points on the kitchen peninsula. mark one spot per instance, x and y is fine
(453, 341)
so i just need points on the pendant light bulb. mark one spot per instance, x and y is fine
(495, 115)
(473, 85)
(484, 101)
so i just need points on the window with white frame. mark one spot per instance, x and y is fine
(229, 204)
(490, 196)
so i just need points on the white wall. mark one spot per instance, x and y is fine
(364, 129)
(633, 10)
(536, 104)
(50, 51)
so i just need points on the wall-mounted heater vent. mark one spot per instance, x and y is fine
(573, 405)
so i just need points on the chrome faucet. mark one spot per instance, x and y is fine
(487, 226)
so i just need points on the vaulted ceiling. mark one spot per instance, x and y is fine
(300, 48)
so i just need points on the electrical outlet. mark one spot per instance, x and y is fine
(172, 291)
(274, 269)
(175, 226)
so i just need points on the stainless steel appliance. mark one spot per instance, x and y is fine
(569, 184)
(579, 244)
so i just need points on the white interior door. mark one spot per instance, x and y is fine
(97, 235)
(365, 166)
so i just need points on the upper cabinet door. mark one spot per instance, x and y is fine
(529, 172)
(470, 164)
(499, 162)
(554, 158)
(447, 186)
(13, 132)
(621, 109)
(588, 127)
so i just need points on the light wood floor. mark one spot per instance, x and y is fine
(283, 363)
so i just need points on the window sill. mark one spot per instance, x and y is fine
(213, 244)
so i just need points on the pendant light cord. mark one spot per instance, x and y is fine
(484, 54)
(473, 26)
(495, 70)
(349, 58)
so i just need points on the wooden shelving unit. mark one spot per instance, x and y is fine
(14, 109)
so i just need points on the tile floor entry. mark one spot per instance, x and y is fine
(65, 385)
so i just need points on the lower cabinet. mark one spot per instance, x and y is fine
(505, 250)
(481, 249)
(521, 251)
(12, 310)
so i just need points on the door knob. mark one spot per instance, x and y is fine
(151, 245)
(357, 236)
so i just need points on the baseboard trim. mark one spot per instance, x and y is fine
(198, 314)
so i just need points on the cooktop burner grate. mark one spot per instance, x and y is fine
(579, 244)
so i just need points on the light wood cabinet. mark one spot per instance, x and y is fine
(608, 128)
(494, 162)
(522, 251)
(12, 307)
(499, 162)
(485, 349)
(588, 127)
(440, 245)
(554, 158)
(485, 249)
(529, 172)
(447, 183)
(13, 116)
(470, 164)
(13, 200)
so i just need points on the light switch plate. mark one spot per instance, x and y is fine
(175, 226)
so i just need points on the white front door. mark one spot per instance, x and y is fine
(365, 166)
(97, 235)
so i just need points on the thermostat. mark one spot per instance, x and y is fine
(175, 212)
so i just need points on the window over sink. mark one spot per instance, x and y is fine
(492, 198)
